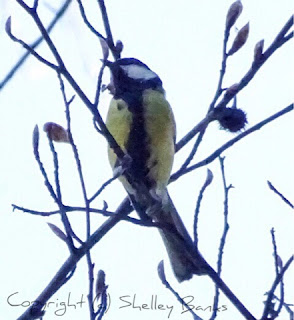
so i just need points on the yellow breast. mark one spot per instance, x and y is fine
(160, 128)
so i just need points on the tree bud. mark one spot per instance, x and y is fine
(161, 273)
(58, 232)
(56, 132)
(258, 50)
(233, 14)
(119, 46)
(240, 39)
(100, 284)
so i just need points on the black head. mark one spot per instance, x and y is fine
(131, 76)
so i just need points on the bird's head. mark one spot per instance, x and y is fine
(132, 75)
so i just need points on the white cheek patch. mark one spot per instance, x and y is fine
(136, 72)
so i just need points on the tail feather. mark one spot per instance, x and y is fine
(184, 256)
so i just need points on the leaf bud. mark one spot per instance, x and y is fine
(233, 14)
(240, 39)
(56, 132)
(258, 50)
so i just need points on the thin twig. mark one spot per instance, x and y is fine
(287, 306)
(67, 208)
(84, 191)
(64, 218)
(93, 210)
(219, 88)
(278, 42)
(87, 22)
(99, 84)
(59, 14)
(110, 223)
(34, 311)
(33, 13)
(56, 169)
(223, 237)
(276, 257)
(201, 127)
(97, 116)
(62, 70)
(207, 182)
(277, 267)
(27, 47)
(278, 279)
(104, 185)
(108, 32)
(275, 45)
(50, 188)
(280, 195)
(231, 142)
(193, 151)
(162, 277)
(103, 306)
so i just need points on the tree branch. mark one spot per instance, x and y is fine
(280, 40)
(110, 42)
(231, 142)
(280, 195)
(209, 178)
(34, 311)
(34, 45)
(223, 237)
(278, 279)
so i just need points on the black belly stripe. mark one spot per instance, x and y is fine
(137, 145)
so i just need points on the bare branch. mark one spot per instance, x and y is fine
(99, 84)
(87, 22)
(59, 14)
(193, 151)
(110, 42)
(34, 311)
(62, 70)
(101, 293)
(287, 306)
(223, 237)
(26, 46)
(231, 142)
(104, 185)
(280, 40)
(84, 191)
(93, 210)
(41, 166)
(276, 44)
(278, 266)
(280, 194)
(164, 281)
(278, 279)
(202, 125)
(219, 89)
(58, 200)
(209, 178)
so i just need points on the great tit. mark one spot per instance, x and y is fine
(142, 122)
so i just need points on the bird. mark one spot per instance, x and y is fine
(142, 122)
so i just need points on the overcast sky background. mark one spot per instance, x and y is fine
(182, 42)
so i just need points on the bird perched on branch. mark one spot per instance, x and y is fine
(142, 122)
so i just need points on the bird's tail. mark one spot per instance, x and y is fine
(184, 256)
